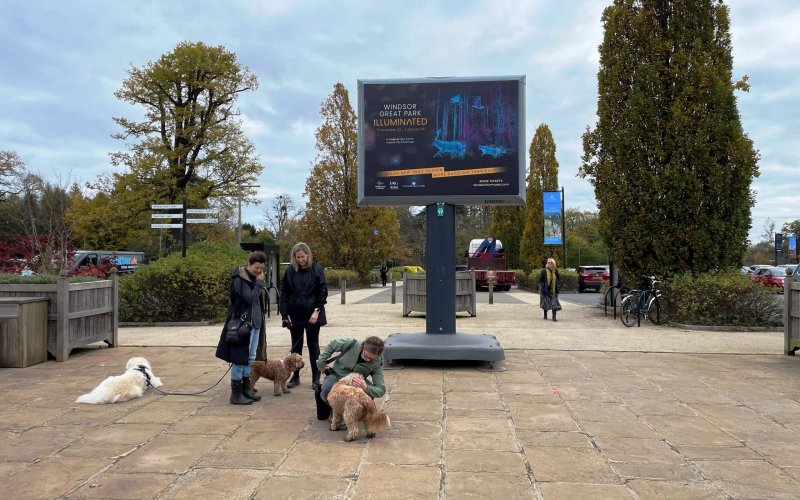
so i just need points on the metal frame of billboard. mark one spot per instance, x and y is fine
(437, 167)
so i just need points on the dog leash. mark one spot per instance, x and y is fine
(141, 369)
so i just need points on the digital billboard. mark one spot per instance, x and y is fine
(445, 140)
(553, 218)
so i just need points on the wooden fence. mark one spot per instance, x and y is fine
(791, 315)
(414, 287)
(78, 314)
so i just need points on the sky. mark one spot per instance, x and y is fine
(62, 62)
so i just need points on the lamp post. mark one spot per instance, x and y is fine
(239, 224)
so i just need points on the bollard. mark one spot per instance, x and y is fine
(342, 287)
(394, 290)
(491, 292)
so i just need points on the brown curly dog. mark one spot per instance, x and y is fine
(277, 370)
(353, 405)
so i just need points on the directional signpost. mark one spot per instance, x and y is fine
(182, 215)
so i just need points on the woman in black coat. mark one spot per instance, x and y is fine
(549, 288)
(304, 293)
(247, 297)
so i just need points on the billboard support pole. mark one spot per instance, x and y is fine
(440, 271)
(563, 230)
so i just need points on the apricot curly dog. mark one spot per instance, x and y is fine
(277, 370)
(353, 405)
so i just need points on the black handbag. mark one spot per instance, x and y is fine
(323, 408)
(237, 330)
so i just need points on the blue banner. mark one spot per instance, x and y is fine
(553, 218)
(792, 247)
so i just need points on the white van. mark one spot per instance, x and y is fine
(125, 262)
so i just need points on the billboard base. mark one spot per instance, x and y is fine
(443, 347)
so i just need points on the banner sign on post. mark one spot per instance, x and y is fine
(793, 247)
(553, 223)
(442, 140)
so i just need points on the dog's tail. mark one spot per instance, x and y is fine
(91, 398)
(378, 421)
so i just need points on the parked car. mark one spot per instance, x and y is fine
(593, 277)
(790, 268)
(771, 277)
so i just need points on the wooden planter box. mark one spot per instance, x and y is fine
(414, 293)
(23, 331)
(791, 315)
(78, 314)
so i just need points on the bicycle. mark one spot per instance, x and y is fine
(649, 303)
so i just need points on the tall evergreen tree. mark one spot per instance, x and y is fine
(339, 232)
(542, 176)
(506, 226)
(669, 161)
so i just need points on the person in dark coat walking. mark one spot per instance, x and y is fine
(549, 288)
(246, 296)
(384, 273)
(304, 293)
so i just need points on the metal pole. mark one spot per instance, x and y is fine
(183, 230)
(239, 223)
(563, 230)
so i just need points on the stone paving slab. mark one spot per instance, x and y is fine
(557, 423)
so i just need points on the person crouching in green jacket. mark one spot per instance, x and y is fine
(365, 358)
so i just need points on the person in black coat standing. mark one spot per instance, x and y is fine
(304, 293)
(549, 288)
(247, 297)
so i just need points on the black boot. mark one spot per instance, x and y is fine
(246, 392)
(237, 398)
(554, 315)
(545, 314)
(294, 381)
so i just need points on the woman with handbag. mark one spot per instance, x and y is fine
(304, 293)
(549, 288)
(248, 305)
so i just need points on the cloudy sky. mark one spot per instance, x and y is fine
(62, 62)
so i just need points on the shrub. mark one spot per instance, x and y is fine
(726, 298)
(181, 289)
(569, 280)
(39, 279)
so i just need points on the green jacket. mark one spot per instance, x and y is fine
(348, 363)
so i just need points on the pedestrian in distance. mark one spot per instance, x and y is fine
(247, 297)
(304, 294)
(549, 288)
(384, 272)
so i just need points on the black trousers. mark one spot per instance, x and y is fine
(312, 335)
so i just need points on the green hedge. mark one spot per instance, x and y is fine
(569, 280)
(40, 279)
(181, 289)
(725, 299)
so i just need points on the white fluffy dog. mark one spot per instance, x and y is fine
(129, 385)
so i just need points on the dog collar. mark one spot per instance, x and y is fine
(143, 369)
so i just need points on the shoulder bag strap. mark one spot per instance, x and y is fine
(343, 352)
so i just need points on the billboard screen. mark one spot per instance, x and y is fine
(451, 140)
(553, 223)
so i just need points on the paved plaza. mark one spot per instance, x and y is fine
(585, 408)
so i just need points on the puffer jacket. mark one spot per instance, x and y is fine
(301, 292)
(246, 294)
